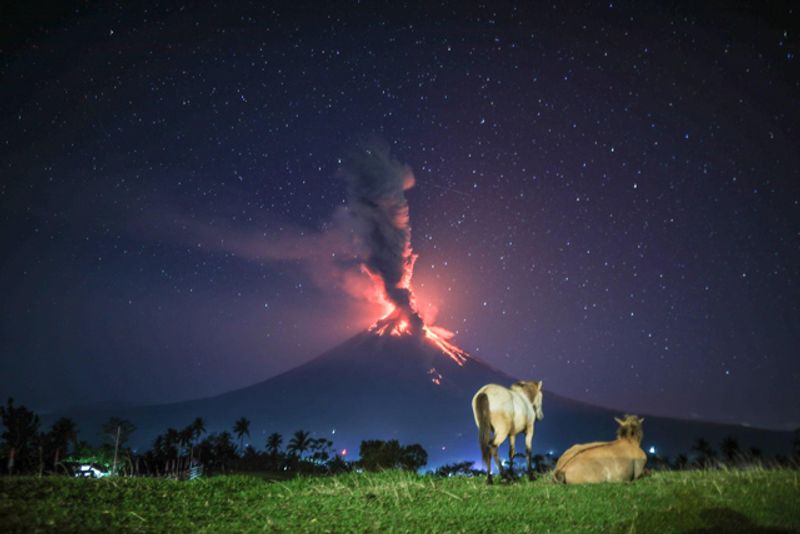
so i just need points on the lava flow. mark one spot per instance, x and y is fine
(396, 323)
(404, 320)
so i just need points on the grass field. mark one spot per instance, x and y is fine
(746, 501)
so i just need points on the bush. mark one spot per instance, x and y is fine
(377, 455)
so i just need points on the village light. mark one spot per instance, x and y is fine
(90, 471)
(652, 449)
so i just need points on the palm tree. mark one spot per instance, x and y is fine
(171, 440)
(185, 438)
(274, 442)
(242, 428)
(198, 427)
(63, 433)
(299, 443)
(19, 438)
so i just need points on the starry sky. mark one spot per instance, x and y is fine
(607, 194)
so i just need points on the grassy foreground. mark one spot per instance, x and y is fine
(401, 502)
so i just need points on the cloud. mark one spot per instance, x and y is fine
(363, 251)
(376, 186)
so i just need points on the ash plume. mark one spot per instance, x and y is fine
(376, 186)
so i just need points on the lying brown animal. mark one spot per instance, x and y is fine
(605, 461)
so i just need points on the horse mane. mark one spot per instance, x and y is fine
(530, 388)
(631, 429)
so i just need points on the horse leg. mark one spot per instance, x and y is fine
(528, 449)
(511, 452)
(499, 437)
(495, 448)
(487, 460)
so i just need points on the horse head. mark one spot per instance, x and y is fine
(532, 389)
(630, 428)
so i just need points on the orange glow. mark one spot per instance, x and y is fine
(395, 323)
(454, 352)
(436, 376)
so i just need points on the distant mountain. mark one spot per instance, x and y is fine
(404, 387)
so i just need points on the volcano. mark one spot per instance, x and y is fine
(405, 387)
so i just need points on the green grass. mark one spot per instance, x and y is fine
(403, 502)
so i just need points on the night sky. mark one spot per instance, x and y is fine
(607, 196)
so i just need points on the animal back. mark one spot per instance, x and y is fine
(575, 450)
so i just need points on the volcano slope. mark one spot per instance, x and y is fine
(404, 387)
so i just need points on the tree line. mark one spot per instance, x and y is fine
(28, 450)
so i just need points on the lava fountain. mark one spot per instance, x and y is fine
(376, 200)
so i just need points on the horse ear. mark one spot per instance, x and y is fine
(618, 420)
(540, 384)
(641, 420)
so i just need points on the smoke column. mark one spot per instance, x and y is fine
(376, 185)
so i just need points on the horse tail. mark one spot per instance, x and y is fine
(483, 416)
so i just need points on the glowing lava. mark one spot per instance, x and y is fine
(408, 323)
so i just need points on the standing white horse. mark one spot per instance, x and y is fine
(507, 412)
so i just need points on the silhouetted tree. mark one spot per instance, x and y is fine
(20, 438)
(755, 453)
(198, 427)
(273, 445)
(185, 439)
(705, 453)
(730, 449)
(681, 461)
(414, 457)
(456, 469)
(299, 444)
(191, 434)
(172, 440)
(337, 464)
(218, 451)
(242, 428)
(116, 432)
(377, 455)
(109, 431)
(63, 433)
(320, 449)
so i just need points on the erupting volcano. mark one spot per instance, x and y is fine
(376, 200)
(378, 383)
(401, 378)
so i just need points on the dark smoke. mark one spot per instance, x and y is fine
(376, 185)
